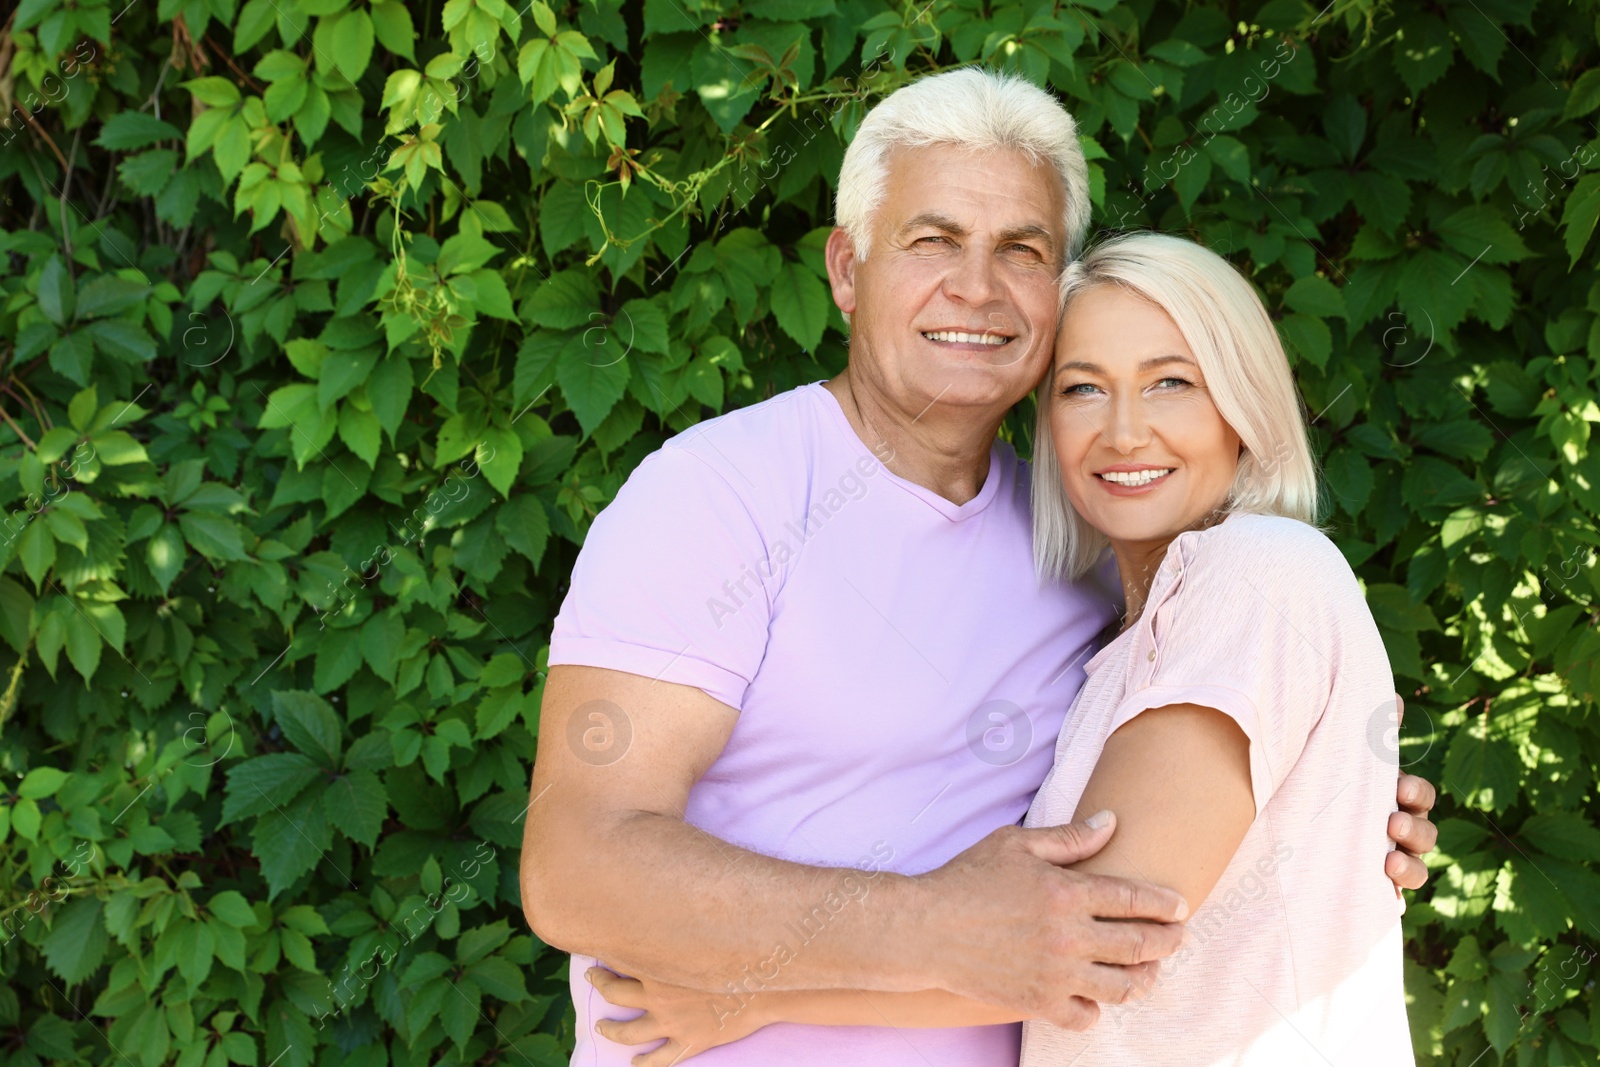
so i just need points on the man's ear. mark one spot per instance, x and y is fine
(841, 256)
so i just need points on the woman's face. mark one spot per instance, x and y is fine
(1144, 452)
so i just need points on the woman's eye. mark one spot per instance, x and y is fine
(1081, 389)
(1169, 385)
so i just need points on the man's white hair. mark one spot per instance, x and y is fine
(973, 108)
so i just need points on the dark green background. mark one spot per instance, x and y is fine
(328, 327)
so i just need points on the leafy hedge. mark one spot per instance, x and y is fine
(329, 326)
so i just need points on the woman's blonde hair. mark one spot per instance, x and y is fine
(1245, 370)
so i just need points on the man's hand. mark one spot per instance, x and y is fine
(1016, 930)
(1409, 828)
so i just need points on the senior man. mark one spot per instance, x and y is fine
(805, 682)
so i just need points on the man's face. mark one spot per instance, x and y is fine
(956, 300)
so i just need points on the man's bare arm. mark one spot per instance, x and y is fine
(610, 869)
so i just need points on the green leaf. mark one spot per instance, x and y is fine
(391, 22)
(1461, 438)
(42, 782)
(647, 328)
(459, 1013)
(341, 372)
(230, 907)
(165, 554)
(389, 389)
(37, 550)
(1317, 296)
(525, 526)
(1585, 95)
(500, 457)
(1480, 768)
(107, 294)
(473, 945)
(566, 299)
(381, 638)
(352, 43)
(497, 710)
(16, 609)
(77, 942)
(1423, 52)
(135, 129)
(196, 948)
(357, 804)
(338, 659)
(1565, 834)
(255, 785)
(25, 818)
(507, 668)
(310, 724)
(500, 978)
(361, 433)
(213, 536)
(290, 840)
(1307, 337)
(1430, 482)
(56, 291)
(1579, 215)
(213, 92)
(800, 304)
(122, 340)
(591, 387)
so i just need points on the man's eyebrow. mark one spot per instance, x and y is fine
(936, 219)
(1030, 232)
(1147, 364)
(940, 221)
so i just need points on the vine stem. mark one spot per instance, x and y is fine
(17, 430)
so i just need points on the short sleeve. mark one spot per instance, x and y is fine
(1251, 618)
(666, 584)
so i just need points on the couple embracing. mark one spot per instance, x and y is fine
(923, 757)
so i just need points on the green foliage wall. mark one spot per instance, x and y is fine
(328, 326)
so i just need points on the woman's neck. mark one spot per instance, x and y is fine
(1138, 561)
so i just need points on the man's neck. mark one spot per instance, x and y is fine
(945, 452)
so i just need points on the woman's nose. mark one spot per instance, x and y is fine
(1128, 426)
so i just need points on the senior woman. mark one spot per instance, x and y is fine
(1225, 719)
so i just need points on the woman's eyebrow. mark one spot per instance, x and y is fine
(1095, 368)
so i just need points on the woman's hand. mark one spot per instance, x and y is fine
(691, 1020)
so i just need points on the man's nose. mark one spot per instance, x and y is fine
(974, 278)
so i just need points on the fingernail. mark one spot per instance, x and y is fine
(589, 975)
(1183, 911)
(1405, 825)
(1098, 819)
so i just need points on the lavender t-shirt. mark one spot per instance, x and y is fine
(900, 673)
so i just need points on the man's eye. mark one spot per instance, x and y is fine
(1025, 248)
(940, 240)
